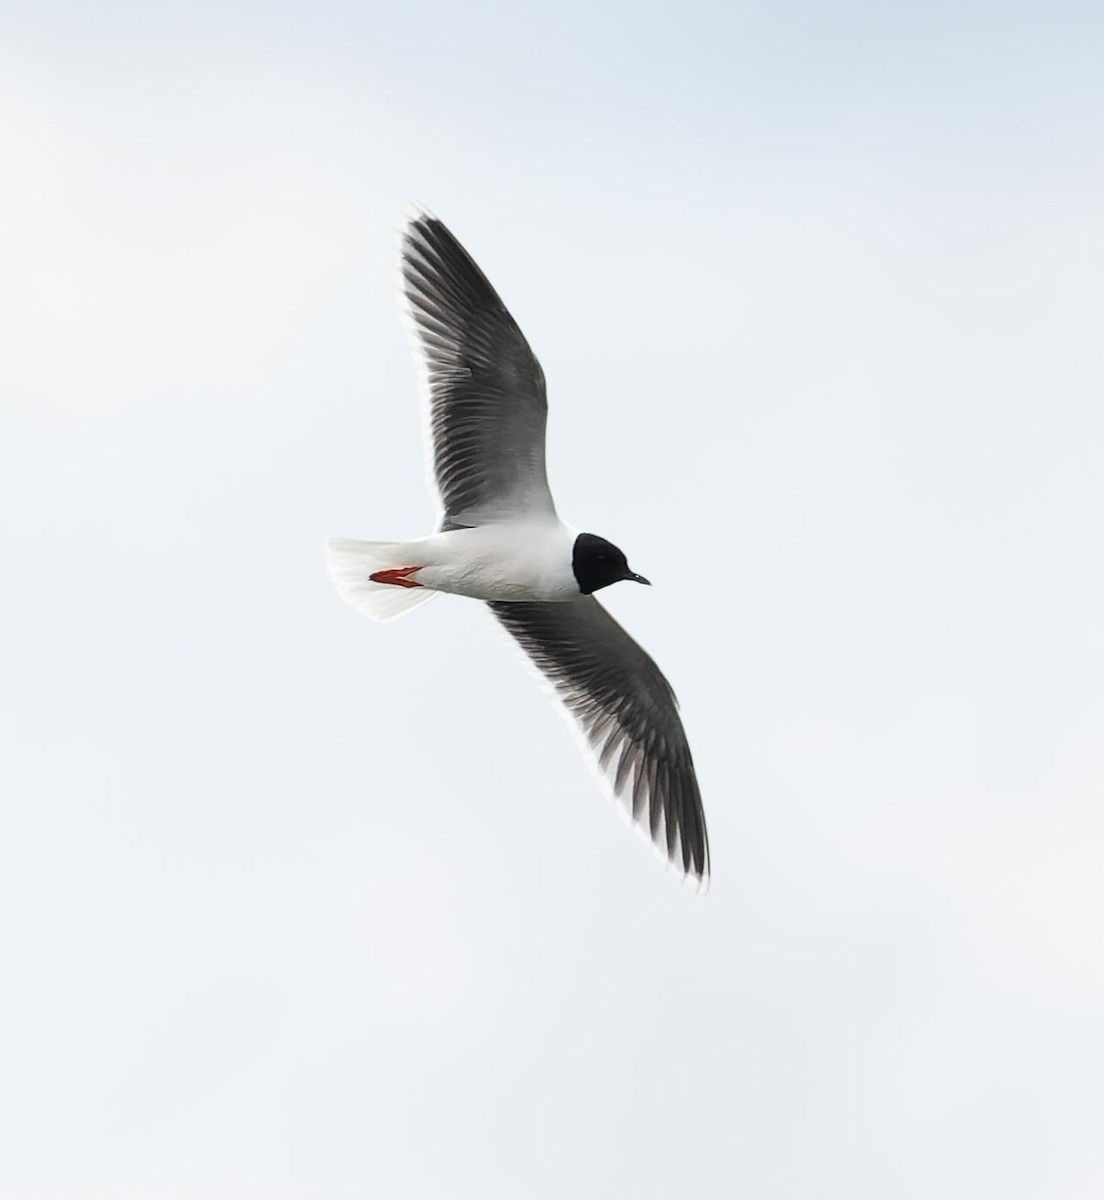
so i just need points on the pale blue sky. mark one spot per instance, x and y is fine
(293, 905)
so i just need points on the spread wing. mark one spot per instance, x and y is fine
(628, 715)
(487, 405)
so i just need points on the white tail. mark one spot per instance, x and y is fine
(350, 565)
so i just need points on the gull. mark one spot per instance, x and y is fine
(501, 541)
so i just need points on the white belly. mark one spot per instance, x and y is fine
(530, 561)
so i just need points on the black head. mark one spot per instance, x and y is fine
(598, 563)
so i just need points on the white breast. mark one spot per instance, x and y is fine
(528, 560)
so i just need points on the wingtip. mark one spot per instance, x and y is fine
(698, 882)
(690, 865)
(417, 211)
(412, 217)
(694, 876)
(416, 215)
(696, 879)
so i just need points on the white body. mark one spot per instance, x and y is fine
(525, 559)
(522, 560)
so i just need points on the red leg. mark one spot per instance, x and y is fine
(396, 576)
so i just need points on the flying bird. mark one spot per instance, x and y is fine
(501, 541)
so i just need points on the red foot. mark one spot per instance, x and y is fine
(396, 575)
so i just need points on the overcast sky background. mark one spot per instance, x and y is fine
(295, 905)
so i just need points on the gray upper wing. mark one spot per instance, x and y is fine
(487, 405)
(628, 714)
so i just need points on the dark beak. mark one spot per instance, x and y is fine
(638, 579)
